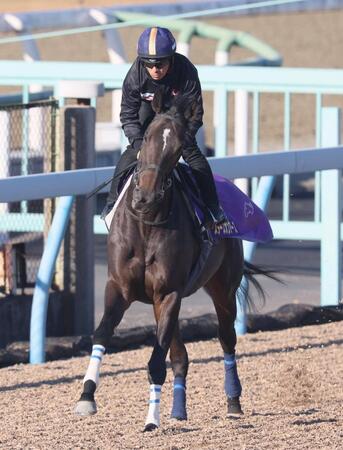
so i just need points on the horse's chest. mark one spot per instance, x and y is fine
(144, 271)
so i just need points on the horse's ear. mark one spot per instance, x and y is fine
(158, 101)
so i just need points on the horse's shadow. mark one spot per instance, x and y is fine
(271, 351)
(65, 380)
(218, 359)
(313, 422)
(174, 430)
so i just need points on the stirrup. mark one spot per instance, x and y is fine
(218, 215)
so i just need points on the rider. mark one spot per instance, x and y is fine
(158, 64)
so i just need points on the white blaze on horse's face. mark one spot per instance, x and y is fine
(166, 133)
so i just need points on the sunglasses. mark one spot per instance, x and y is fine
(159, 64)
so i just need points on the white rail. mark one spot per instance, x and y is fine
(80, 182)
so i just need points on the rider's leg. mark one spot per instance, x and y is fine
(128, 157)
(204, 178)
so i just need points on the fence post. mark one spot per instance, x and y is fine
(79, 153)
(261, 199)
(40, 299)
(241, 131)
(330, 255)
(220, 121)
(116, 54)
(4, 170)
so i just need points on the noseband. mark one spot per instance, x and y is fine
(166, 184)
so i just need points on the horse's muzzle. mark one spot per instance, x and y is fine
(143, 201)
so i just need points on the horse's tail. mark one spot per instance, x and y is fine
(250, 271)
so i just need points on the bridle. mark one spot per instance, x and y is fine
(166, 184)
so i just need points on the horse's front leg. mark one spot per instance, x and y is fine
(115, 307)
(167, 312)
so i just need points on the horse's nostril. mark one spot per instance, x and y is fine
(139, 199)
(137, 195)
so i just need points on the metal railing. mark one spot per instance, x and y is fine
(257, 81)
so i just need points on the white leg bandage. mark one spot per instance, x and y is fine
(94, 364)
(154, 405)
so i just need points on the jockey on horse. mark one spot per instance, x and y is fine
(158, 65)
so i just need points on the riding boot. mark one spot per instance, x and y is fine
(209, 194)
(127, 158)
(205, 181)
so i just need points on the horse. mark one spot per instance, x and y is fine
(153, 247)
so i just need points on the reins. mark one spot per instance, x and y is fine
(105, 183)
(148, 222)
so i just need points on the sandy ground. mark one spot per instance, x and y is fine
(292, 398)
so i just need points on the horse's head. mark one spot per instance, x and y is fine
(162, 148)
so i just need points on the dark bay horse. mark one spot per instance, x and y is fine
(152, 249)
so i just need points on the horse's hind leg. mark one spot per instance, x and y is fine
(114, 311)
(179, 362)
(222, 289)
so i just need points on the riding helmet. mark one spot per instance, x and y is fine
(156, 43)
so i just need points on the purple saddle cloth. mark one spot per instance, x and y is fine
(245, 219)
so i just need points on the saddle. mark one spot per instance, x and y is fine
(193, 200)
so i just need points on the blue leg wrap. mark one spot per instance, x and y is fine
(233, 386)
(179, 399)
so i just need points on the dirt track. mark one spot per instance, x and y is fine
(292, 397)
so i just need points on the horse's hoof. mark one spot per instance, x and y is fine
(234, 415)
(234, 410)
(150, 427)
(179, 416)
(85, 408)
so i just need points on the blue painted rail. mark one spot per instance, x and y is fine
(43, 282)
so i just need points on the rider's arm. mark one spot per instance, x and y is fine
(193, 92)
(130, 105)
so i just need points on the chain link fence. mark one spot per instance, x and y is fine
(27, 146)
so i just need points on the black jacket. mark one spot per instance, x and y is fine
(138, 91)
